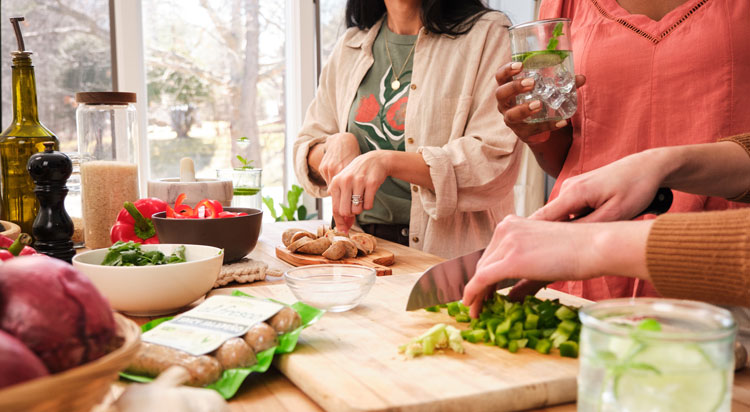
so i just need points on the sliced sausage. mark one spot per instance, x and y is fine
(315, 247)
(298, 244)
(286, 237)
(302, 233)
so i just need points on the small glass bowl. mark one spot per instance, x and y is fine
(335, 288)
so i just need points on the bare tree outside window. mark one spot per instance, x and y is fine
(71, 45)
(215, 73)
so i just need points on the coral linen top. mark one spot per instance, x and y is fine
(682, 80)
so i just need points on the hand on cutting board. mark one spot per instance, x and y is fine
(617, 191)
(550, 251)
(362, 177)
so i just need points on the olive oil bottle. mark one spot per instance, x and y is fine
(24, 137)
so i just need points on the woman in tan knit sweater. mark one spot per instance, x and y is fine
(704, 256)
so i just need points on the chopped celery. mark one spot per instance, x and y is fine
(477, 335)
(433, 309)
(453, 309)
(440, 336)
(455, 341)
(536, 333)
(563, 332)
(531, 322)
(569, 349)
(463, 308)
(533, 341)
(537, 324)
(463, 317)
(503, 327)
(516, 315)
(543, 346)
(428, 345)
(564, 313)
(516, 331)
(501, 341)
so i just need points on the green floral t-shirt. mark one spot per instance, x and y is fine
(377, 120)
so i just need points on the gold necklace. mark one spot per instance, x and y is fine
(396, 83)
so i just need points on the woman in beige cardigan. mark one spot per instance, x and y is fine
(701, 255)
(436, 173)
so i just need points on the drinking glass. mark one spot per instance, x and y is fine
(247, 186)
(544, 48)
(655, 355)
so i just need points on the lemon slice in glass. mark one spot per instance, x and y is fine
(671, 377)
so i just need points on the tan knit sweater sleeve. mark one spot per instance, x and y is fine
(702, 256)
(744, 141)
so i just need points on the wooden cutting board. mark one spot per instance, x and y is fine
(350, 362)
(379, 260)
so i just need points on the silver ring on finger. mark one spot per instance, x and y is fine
(356, 200)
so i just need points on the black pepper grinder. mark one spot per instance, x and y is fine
(52, 228)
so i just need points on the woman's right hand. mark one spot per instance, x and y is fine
(340, 149)
(514, 115)
(617, 191)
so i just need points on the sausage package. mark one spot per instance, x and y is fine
(229, 320)
(203, 329)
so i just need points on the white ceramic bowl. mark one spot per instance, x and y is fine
(335, 288)
(153, 290)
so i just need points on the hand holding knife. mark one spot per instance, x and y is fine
(445, 282)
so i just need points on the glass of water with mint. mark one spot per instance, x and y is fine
(544, 48)
(655, 355)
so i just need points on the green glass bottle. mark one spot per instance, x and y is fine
(24, 137)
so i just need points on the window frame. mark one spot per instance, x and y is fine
(301, 63)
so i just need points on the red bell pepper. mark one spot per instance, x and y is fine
(10, 248)
(205, 209)
(134, 221)
(209, 209)
(184, 210)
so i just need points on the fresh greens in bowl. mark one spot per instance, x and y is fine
(131, 254)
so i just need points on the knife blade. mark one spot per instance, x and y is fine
(445, 282)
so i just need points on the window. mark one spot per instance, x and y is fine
(215, 73)
(332, 25)
(71, 44)
(214, 70)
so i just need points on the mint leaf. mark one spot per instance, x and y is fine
(556, 32)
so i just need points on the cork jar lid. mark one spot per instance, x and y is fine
(105, 97)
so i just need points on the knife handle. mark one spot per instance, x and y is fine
(661, 203)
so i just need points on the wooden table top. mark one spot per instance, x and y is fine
(273, 392)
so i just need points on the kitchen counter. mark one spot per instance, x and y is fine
(272, 391)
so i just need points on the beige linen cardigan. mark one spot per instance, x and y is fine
(451, 119)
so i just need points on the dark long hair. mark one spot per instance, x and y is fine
(454, 17)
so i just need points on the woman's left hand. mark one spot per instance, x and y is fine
(362, 177)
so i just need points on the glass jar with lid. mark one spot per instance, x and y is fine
(107, 142)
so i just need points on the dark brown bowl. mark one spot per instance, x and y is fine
(236, 235)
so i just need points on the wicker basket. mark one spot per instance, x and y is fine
(77, 389)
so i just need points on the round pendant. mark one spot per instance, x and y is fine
(395, 84)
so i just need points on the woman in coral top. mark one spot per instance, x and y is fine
(658, 73)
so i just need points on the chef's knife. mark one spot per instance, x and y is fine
(445, 282)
